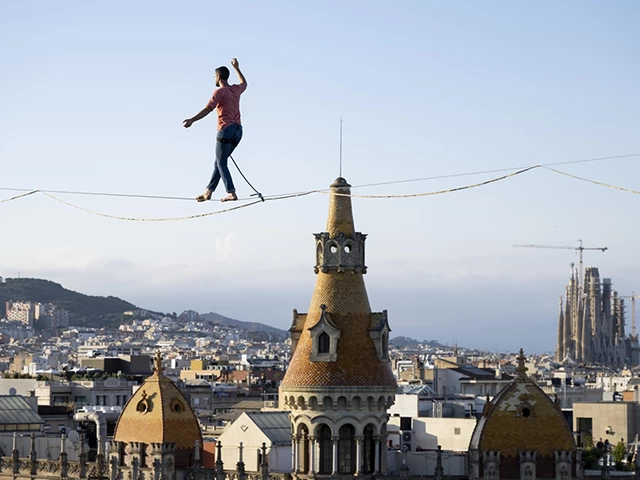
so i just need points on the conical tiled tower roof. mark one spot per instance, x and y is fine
(340, 306)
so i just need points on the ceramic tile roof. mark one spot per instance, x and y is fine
(347, 303)
(158, 413)
(507, 429)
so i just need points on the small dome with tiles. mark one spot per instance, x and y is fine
(522, 418)
(158, 413)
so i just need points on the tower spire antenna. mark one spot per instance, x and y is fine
(340, 147)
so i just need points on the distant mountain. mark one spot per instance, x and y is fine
(85, 310)
(249, 326)
(406, 341)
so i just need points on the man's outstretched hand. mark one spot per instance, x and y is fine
(234, 63)
(187, 123)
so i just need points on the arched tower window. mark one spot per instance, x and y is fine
(326, 450)
(324, 341)
(369, 450)
(324, 337)
(347, 450)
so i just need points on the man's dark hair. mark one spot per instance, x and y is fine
(223, 72)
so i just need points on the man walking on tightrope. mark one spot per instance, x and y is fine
(226, 99)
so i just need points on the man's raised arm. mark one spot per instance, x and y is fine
(236, 67)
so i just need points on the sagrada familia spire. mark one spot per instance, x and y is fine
(591, 324)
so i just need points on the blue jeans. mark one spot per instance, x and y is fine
(227, 140)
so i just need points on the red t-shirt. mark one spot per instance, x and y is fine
(227, 101)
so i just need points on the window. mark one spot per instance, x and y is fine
(326, 450)
(324, 336)
(347, 450)
(323, 343)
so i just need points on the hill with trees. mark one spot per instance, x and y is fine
(85, 310)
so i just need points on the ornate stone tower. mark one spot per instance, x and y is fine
(339, 383)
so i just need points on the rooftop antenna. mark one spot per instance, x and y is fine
(341, 147)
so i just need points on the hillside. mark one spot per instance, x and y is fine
(86, 310)
(407, 341)
(249, 326)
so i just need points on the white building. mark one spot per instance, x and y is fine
(253, 429)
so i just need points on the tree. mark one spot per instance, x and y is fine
(618, 453)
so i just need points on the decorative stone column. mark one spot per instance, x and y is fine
(377, 468)
(563, 464)
(334, 451)
(383, 454)
(312, 459)
(528, 465)
(295, 453)
(359, 455)
(491, 462)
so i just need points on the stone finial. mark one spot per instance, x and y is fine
(219, 464)
(521, 369)
(439, 471)
(485, 408)
(158, 369)
(240, 465)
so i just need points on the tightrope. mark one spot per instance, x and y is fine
(622, 189)
(439, 192)
(19, 196)
(166, 219)
(284, 196)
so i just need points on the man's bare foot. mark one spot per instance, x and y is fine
(204, 197)
(230, 197)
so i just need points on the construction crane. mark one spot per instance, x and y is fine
(568, 247)
(633, 297)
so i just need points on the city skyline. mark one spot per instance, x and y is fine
(94, 96)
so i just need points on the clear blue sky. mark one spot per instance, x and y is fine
(93, 96)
